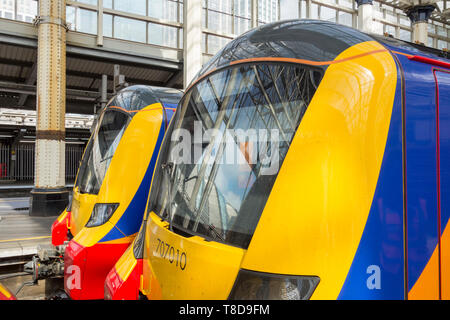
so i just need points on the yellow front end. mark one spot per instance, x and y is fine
(95, 248)
(177, 267)
(316, 212)
(123, 178)
(82, 205)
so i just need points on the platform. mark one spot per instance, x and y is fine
(20, 234)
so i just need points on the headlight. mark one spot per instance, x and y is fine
(251, 285)
(101, 213)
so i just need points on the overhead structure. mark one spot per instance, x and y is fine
(192, 39)
(49, 196)
(365, 15)
(404, 4)
(419, 11)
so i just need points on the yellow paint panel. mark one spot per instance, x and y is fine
(62, 216)
(126, 171)
(187, 268)
(5, 292)
(82, 205)
(126, 264)
(318, 207)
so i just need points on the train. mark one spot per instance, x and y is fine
(306, 160)
(5, 294)
(110, 191)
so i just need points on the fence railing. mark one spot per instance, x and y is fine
(17, 165)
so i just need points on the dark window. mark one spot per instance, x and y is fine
(221, 191)
(100, 150)
(134, 98)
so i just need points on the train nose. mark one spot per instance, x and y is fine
(123, 287)
(60, 228)
(86, 268)
(74, 265)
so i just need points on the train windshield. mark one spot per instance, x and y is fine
(109, 130)
(227, 144)
(100, 150)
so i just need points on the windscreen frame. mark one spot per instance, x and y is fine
(84, 165)
(159, 176)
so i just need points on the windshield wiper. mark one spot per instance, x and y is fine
(214, 232)
(103, 160)
(167, 170)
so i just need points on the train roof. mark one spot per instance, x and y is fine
(313, 40)
(137, 97)
(412, 48)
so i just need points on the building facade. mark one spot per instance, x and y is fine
(160, 22)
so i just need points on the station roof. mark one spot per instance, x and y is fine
(85, 64)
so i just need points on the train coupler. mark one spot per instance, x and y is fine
(48, 263)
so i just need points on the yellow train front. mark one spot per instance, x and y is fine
(306, 160)
(5, 294)
(112, 185)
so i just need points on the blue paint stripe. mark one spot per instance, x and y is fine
(421, 164)
(421, 159)
(131, 219)
(170, 105)
(381, 243)
(113, 234)
(444, 142)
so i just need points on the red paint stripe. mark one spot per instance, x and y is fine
(431, 61)
(438, 173)
(438, 180)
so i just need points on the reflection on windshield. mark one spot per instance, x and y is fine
(100, 151)
(227, 144)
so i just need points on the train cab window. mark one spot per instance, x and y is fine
(228, 141)
(100, 150)
(134, 98)
(168, 96)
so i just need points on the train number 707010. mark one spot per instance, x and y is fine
(168, 252)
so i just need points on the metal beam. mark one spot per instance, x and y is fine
(12, 79)
(98, 76)
(28, 89)
(85, 45)
(173, 79)
(122, 59)
(31, 80)
(13, 62)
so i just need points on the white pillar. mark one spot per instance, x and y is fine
(49, 196)
(192, 40)
(100, 23)
(420, 32)
(365, 17)
(419, 16)
(254, 15)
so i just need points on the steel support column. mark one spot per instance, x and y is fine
(254, 13)
(49, 196)
(192, 32)
(365, 15)
(419, 16)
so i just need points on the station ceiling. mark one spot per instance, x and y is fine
(85, 65)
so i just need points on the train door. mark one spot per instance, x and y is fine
(442, 79)
(421, 184)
